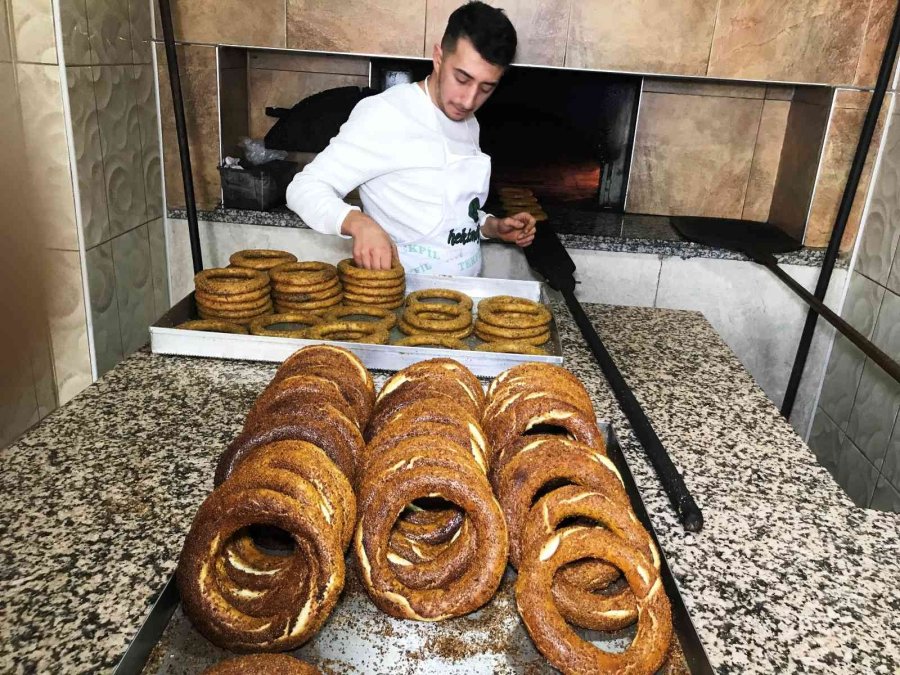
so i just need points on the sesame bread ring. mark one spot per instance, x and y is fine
(304, 305)
(557, 641)
(426, 566)
(434, 340)
(376, 291)
(386, 301)
(435, 377)
(536, 341)
(507, 311)
(230, 280)
(382, 317)
(252, 296)
(428, 295)
(511, 347)
(322, 425)
(496, 333)
(435, 317)
(595, 611)
(329, 291)
(269, 664)
(536, 375)
(261, 259)
(348, 269)
(408, 329)
(304, 273)
(396, 489)
(283, 394)
(236, 313)
(373, 284)
(263, 325)
(541, 463)
(213, 326)
(228, 306)
(359, 330)
(340, 365)
(303, 599)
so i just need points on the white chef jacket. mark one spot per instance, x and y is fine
(392, 149)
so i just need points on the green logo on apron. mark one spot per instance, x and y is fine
(474, 206)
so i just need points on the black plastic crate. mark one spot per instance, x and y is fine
(257, 188)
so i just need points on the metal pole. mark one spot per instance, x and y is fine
(834, 244)
(184, 150)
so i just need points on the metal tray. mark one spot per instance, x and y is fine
(166, 339)
(358, 638)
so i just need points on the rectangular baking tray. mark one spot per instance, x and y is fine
(358, 638)
(165, 338)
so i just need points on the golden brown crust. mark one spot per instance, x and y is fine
(230, 281)
(384, 317)
(507, 311)
(213, 326)
(350, 331)
(376, 292)
(261, 259)
(519, 346)
(308, 273)
(429, 295)
(386, 301)
(262, 325)
(548, 629)
(263, 664)
(291, 294)
(408, 329)
(437, 318)
(252, 296)
(431, 340)
(494, 333)
(285, 394)
(226, 303)
(283, 306)
(347, 268)
(435, 377)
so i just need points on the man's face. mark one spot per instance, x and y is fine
(464, 80)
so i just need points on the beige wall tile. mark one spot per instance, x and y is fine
(120, 134)
(840, 146)
(32, 22)
(692, 155)
(803, 140)
(698, 88)
(141, 30)
(75, 33)
(766, 158)
(197, 65)
(151, 164)
(88, 156)
(110, 32)
(104, 307)
(5, 43)
(260, 23)
(367, 27)
(789, 41)
(134, 287)
(283, 89)
(541, 27)
(45, 140)
(68, 323)
(311, 63)
(878, 26)
(655, 36)
(159, 266)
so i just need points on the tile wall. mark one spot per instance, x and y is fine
(112, 96)
(855, 432)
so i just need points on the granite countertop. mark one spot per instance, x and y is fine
(787, 575)
(603, 231)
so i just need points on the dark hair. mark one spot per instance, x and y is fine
(488, 28)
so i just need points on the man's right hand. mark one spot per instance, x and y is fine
(372, 246)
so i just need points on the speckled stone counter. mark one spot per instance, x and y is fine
(614, 232)
(787, 576)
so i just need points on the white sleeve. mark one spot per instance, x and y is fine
(361, 151)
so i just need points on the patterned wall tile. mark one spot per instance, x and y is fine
(855, 474)
(75, 33)
(885, 497)
(825, 441)
(881, 233)
(766, 158)
(841, 381)
(655, 36)
(68, 323)
(104, 307)
(238, 22)
(150, 160)
(88, 155)
(891, 467)
(159, 266)
(862, 303)
(32, 22)
(541, 27)
(141, 30)
(5, 43)
(874, 410)
(42, 369)
(335, 26)
(134, 287)
(45, 140)
(110, 31)
(692, 155)
(788, 41)
(887, 330)
(120, 134)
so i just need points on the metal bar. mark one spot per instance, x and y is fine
(673, 483)
(884, 361)
(834, 244)
(184, 149)
(135, 657)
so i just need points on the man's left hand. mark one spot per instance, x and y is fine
(517, 229)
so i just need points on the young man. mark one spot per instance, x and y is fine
(413, 152)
